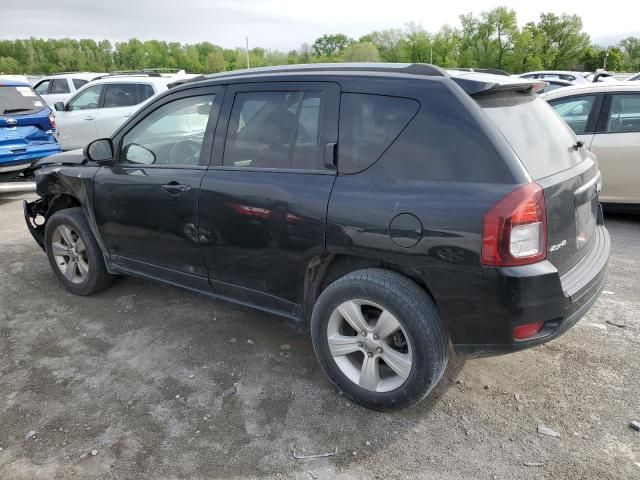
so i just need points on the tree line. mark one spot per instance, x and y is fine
(491, 39)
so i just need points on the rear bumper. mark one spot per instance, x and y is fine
(16, 162)
(539, 293)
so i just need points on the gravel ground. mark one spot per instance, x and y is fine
(147, 381)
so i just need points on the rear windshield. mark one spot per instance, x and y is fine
(536, 133)
(19, 101)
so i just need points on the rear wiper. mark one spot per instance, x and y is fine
(15, 110)
(578, 144)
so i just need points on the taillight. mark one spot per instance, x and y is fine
(52, 121)
(515, 229)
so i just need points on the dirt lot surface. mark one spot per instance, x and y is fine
(147, 381)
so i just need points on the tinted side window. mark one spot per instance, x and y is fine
(42, 88)
(171, 135)
(144, 91)
(274, 130)
(78, 83)
(87, 99)
(368, 126)
(575, 111)
(60, 85)
(624, 114)
(121, 95)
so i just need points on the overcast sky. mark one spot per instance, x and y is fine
(280, 24)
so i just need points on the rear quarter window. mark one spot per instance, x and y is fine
(368, 126)
(540, 138)
(19, 101)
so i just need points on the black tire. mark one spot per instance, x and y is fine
(97, 278)
(416, 313)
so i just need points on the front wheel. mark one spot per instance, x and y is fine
(378, 337)
(74, 254)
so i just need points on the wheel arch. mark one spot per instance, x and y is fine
(323, 269)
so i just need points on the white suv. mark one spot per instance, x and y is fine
(58, 88)
(101, 106)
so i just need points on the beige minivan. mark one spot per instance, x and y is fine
(606, 119)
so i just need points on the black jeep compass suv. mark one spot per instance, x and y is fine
(392, 210)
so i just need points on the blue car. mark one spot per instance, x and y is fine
(27, 127)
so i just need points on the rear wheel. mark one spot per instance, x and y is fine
(378, 337)
(74, 254)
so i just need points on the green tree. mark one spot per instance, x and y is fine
(361, 52)
(330, 45)
(388, 43)
(416, 44)
(630, 54)
(565, 43)
(446, 47)
(9, 65)
(215, 62)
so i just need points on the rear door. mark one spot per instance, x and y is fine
(617, 146)
(263, 201)
(77, 123)
(121, 100)
(566, 171)
(59, 91)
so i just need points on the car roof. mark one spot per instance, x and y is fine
(81, 75)
(133, 79)
(598, 87)
(12, 83)
(471, 82)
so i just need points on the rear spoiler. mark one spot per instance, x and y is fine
(474, 87)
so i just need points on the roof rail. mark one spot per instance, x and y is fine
(406, 68)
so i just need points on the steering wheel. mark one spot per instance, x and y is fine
(185, 152)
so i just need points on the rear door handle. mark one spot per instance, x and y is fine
(175, 188)
(88, 119)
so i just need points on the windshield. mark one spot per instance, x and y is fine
(540, 138)
(19, 101)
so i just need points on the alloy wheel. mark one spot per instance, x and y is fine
(369, 345)
(70, 254)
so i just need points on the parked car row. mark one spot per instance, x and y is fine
(88, 106)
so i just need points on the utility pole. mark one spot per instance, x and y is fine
(431, 54)
(247, 43)
(606, 54)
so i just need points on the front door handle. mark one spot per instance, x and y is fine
(175, 188)
(89, 118)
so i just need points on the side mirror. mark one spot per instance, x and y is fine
(59, 106)
(134, 153)
(100, 150)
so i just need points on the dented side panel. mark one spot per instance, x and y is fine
(61, 186)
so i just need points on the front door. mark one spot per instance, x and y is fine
(146, 203)
(77, 123)
(263, 201)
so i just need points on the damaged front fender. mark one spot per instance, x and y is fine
(60, 185)
(32, 212)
